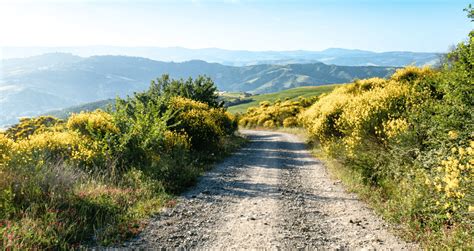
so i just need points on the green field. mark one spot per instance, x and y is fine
(307, 91)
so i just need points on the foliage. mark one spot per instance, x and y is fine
(29, 126)
(291, 94)
(203, 124)
(414, 128)
(277, 114)
(470, 12)
(201, 89)
(97, 175)
(92, 124)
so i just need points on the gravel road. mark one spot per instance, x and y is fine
(270, 194)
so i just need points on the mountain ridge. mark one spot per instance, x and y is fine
(339, 56)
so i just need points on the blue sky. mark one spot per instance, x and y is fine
(393, 25)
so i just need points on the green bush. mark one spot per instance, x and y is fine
(98, 175)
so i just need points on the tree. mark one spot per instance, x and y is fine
(201, 89)
(470, 12)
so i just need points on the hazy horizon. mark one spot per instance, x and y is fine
(211, 48)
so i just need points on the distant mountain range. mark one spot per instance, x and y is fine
(240, 57)
(33, 85)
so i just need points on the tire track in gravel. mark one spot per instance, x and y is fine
(270, 194)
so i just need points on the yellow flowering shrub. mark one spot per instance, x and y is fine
(290, 122)
(411, 73)
(414, 125)
(88, 123)
(55, 146)
(367, 113)
(269, 124)
(224, 120)
(50, 144)
(320, 119)
(453, 179)
(365, 108)
(29, 126)
(203, 125)
(186, 104)
(274, 115)
(394, 127)
(175, 140)
(6, 150)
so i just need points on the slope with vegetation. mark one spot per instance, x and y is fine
(32, 86)
(290, 94)
(93, 178)
(87, 107)
(405, 144)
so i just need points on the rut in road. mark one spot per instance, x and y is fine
(270, 194)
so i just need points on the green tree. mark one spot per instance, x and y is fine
(470, 12)
(201, 89)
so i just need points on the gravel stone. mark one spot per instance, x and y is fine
(272, 194)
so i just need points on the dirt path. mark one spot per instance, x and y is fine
(270, 194)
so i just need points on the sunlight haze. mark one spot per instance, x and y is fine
(243, 25)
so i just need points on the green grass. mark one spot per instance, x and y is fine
(307, 91)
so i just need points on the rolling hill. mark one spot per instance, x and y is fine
(34, 85)
(236, 102)
(294, 93)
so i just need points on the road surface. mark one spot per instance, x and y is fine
(271, 194)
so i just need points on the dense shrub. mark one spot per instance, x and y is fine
(409, 136)
(204, 125)
(6, 150)
(95, 176)
(201, 89)
(93, 124)
(29, 126)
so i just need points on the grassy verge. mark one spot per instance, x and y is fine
(394, 203)
(401, 203)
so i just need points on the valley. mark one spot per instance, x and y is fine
(32, 86)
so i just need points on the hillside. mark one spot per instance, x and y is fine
(87, 107)
(294, 93)
(243, 100)
(56, 81)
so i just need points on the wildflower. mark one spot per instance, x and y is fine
(453, 134)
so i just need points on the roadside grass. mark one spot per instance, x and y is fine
(62, 206)
(393, 202)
